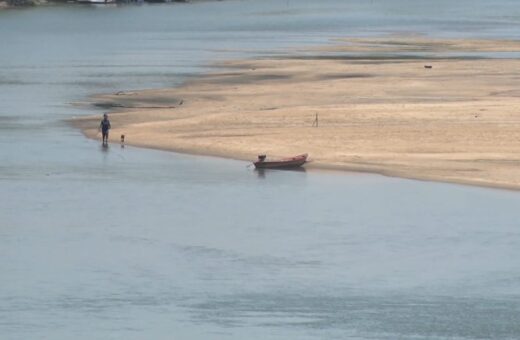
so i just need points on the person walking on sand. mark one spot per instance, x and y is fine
(104, 126)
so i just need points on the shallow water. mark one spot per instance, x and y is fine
(139, 244)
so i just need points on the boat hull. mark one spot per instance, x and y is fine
(286, 163)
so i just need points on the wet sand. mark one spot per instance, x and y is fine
(379, 108)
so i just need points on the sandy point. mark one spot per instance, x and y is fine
(409, 107)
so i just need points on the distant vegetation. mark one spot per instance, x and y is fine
(26, 3)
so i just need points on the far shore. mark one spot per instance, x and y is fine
(4, 4)
(409, 107)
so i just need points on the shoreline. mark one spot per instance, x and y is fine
(454, 122)
(24, 4)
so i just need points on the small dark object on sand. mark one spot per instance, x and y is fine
(428, 66)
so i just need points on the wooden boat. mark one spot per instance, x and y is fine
(284, 163)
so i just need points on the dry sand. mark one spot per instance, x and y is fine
(379, 110)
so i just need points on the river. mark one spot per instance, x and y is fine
(127, 243)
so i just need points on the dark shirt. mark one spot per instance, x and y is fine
(105, 125)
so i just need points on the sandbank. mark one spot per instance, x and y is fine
(410, 107)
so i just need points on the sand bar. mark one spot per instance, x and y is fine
(380, 110)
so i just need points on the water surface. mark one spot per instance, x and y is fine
(139, 244)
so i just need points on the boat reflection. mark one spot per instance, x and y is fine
(261, 173)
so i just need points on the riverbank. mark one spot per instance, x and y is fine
(21, 3)
(408, 107)
(5, 4)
